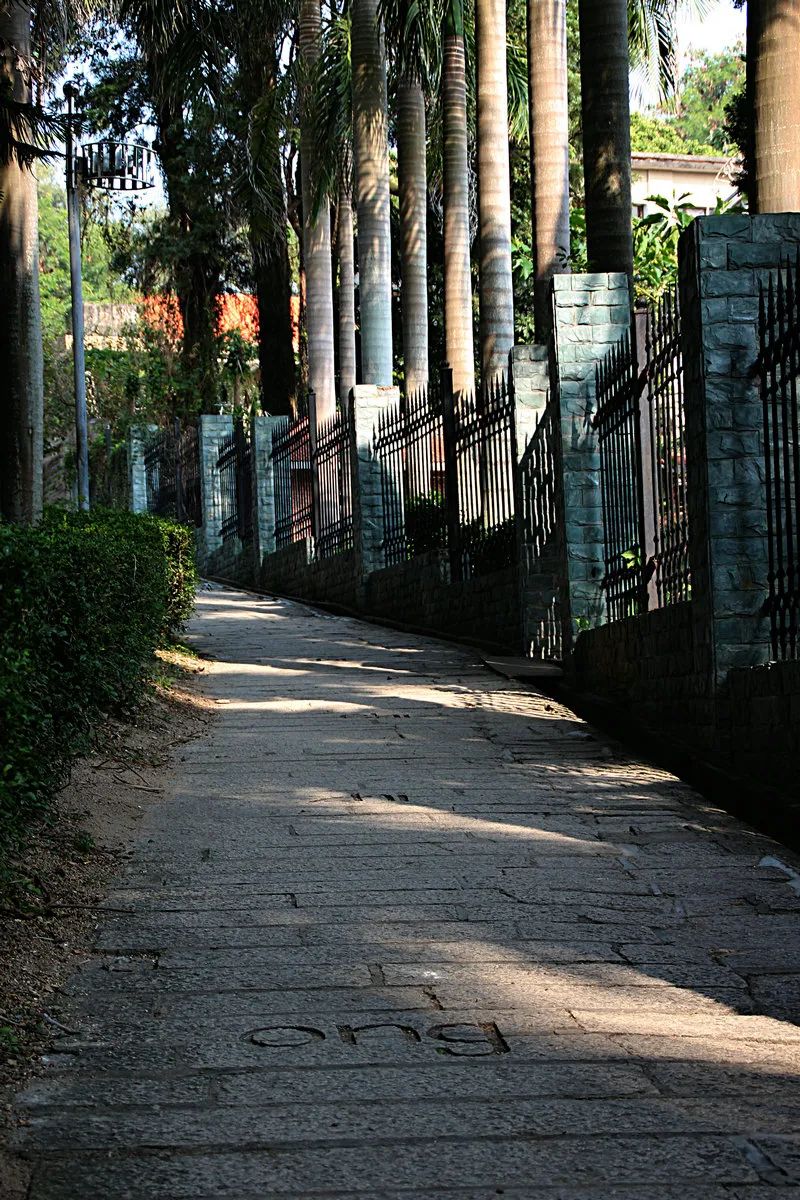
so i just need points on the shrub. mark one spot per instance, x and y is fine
(84, 600)
(426, 523)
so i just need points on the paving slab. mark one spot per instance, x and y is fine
(401, 927)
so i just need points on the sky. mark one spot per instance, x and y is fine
(722, 27)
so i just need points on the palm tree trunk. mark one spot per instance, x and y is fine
(459, 346)
(605, 106)
(275, 349)
(777, 105)
(21, 444)
(494, 190)
(413, 189)
(316, 239)
(347, 296)
(548, 113)
(371, 147)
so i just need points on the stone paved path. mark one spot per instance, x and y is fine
(403, 929)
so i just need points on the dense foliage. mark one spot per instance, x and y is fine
(84, 601)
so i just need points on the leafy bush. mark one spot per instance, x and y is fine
(426, 523)
(84, 600)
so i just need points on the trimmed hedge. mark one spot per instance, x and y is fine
(85, 598)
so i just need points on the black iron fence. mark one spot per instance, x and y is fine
(332, 476)
(667, 517)
(447, 475)
(641, 433)
(172, 473)
(291, 475)
(618, 425)
(542, 534)
(480, 461)
(409, 443)
(235, 468)
(779, 367)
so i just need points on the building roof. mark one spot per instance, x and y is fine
(703, 164)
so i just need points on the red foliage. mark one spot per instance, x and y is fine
(234, 311)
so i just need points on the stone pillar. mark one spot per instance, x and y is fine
(723, 261)
(213, 430)
(263, 489)
(137, 474)
(367, 401)
(590, 315)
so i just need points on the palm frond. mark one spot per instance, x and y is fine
(27, 132)
(517, 75)
(331, 88)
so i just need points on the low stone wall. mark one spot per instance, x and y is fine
(233, 560)
(293, 571)
(484, 609)
(760, 707)
(650, 666)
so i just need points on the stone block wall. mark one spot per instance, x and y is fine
(294, 571)
(590, 314)
(647, 666)
(723, 262)
(763, 724)
(419, 593)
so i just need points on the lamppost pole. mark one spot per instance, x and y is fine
(76, 289)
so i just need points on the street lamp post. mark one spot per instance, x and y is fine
(112, 166)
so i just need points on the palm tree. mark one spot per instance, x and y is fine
(605, 107)
(494, 189)
(413, 189)
(371, 153)
(459, 346)
(773, 42)
(333, 149)
(316, 230)
(21, 446)
(548, 118)
(413, 28)
(257, 30)
(345, 252)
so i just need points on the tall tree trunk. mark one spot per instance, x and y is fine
(494, 190)
(548, 113)
(776, 86)
(21, 443)
(196, 272)
(268, 230)
(372, 192)
(275, 348)
(316, 237)
(347, 296)
(605, 106)
(413, 189)
(459, 346)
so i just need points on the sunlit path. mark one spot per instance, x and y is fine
(404, 929)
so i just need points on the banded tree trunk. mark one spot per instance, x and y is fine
(548, 115)
(494, 190)
(413, 188)
(316, 239)
(776, 87)
(370, 143)
(459, 345)
(605, 106)
(347, 297)
(21, 443)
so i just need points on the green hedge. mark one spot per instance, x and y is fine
(84, 601)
